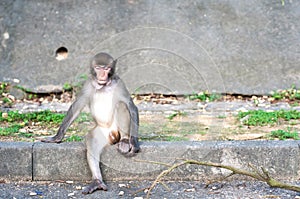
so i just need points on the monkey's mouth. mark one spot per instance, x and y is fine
(104, 82)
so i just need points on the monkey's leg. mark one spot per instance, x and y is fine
(127, 144)
(95, 141)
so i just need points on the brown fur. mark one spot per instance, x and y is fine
(114, 137)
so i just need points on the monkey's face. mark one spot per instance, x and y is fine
(102, 68)
(102, 73)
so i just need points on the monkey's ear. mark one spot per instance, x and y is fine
(115, 62)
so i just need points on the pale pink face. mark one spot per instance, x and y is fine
(102, 73)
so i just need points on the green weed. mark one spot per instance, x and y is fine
(67, 87)
(74, 138)
(3, 88)
(43, 116)
(292, 94)
(7, 131)
(284, 134)
(16, 120)
(262, 118)
(205, 96)
(177, 113)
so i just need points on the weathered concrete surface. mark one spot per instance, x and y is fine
(16, 160)
(249, 47)
(60, 161)
(67, 161)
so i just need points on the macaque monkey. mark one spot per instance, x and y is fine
(115, 115)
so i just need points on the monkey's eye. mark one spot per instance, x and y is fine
(103, 67)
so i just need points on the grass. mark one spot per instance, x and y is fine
(284, 134)
(263, 118)
(12, 129)
(13, 121)
(205, 96)
(43, 116)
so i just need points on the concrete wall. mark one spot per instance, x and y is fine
(67, 161)
(249, 47)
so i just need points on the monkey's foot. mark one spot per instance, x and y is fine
(95, 185)
(124, 146)
(52, 140)
(127, 147)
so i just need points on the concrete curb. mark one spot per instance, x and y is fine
(67, 161)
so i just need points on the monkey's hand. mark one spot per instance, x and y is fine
(54, 139)
(95, 185)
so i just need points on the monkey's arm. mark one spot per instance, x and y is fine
(72, 114)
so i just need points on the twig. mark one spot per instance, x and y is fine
(152, 162)
(219, 180)
(262, 176)
(139, 190)
(163, 173)
(165, 185)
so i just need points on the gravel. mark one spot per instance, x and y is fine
(187, 189)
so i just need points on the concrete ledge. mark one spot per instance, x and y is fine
(60, 161)
(67, 161)
(15, 160)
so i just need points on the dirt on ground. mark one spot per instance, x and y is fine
(169, 118)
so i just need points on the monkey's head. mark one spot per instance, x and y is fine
(102, 68)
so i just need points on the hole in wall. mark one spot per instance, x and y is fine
(61, 53)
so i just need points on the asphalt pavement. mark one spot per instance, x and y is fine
(138, 190)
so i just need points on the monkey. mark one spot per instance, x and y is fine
(115, 115)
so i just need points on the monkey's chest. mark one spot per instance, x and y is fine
(102, 109)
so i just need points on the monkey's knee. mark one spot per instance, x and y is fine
(96, 140)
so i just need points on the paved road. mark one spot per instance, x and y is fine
(232, 190)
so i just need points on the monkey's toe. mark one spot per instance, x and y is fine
(95, 185)
(51, 140)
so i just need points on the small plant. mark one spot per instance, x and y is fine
(3, 88)
(205, 96)
(74, 138)
(221, 116)
(77, 86)
(31, 96)
(284, 134)
(292, 94)
(178, 113)
(295, 104)
(67, 87)
(26, 90)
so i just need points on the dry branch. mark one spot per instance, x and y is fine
(262, 175)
